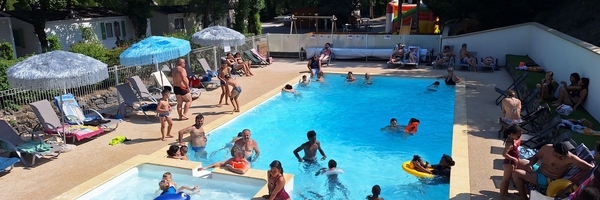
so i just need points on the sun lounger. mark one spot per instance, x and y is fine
(254, 60)
(528, 103)
(74, 115)
(51, 123)
(546, 133)
(130, 99)
(517, 83)
(529, 122)
(143, 93)
(157, 76)
(7, 164)
(327, 61)
(459, 63)
(12, 142)
(493, 66)
(206, 67)
(268, 60)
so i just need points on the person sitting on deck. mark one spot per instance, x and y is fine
(575, 96)
(398, 56)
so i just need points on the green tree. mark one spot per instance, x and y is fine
(242, 10)
(209, 11)
(6, 51)
(54, 43)
(254, 25)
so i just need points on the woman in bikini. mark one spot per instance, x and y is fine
(245, 65)
(450, 78)
(276, 182)
(225, 70)
(547, 86)
(573, 96)
(511, 109)
(231, 62)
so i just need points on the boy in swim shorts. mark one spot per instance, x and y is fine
(164, 109)
(168, 186)
(235, 92)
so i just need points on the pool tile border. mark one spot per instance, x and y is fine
(108, 175)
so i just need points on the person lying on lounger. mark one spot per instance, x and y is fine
(444, 56)
(412, 55)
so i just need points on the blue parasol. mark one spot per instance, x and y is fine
(154, 50)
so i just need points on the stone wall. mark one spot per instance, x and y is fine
(25, 120)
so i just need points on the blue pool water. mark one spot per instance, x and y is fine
(347, 118)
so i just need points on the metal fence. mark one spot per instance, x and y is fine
(293, 42)
(91, 96)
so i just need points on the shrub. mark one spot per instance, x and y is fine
(54, 43)
(94, 50)
(4, 65)
(6, 51)
(112, 56)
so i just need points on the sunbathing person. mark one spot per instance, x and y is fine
(450, 78)
(236, 164)
(444, 56)
(412, 55)
(468, 58)
(573, 78)
(487, 62)
(326, 52)
(547, 86)
(398, 56)
(556, 160)
(511, 109)
(575, 96)
(245, 64)
(231, 62)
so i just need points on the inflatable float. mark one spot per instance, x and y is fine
(409, 168)
(178, 196)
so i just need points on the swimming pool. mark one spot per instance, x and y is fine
(347, 119)
(141, 182)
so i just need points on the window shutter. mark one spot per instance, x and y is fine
(123, 33)
(103, 29)
(21, 38)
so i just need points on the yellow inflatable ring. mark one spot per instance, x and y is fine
(409, 168)
(555, 186)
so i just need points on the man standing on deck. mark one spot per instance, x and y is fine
(181, 89)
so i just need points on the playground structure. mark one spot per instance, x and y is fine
(405, 13)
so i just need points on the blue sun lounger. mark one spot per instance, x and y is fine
(7, 164)
(75, 115)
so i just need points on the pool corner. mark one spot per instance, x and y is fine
(459, 180)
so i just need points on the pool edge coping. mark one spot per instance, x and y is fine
(99, 180)
(460, 188)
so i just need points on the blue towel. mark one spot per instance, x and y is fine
(7, 162)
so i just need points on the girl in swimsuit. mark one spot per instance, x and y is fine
(224, 87)
(245, 65)
(511, 156)
(276, 182)
(450, 78)
(511, 109)
(576, 96)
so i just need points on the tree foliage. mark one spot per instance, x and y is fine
(6, 51)
(54, 43)
(209, 11)
(254, 25)
(242, 11)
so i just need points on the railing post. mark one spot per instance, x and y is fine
(253, 45)
(366, 45)
(215, 56)
(117, 83)
(268, 46)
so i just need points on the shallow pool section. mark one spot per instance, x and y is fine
(347, 118)
(141, 182)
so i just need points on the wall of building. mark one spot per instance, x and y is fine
(69, 31)
(30, 39)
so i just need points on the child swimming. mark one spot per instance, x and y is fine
(393, 127)
(419, 165)
(168, 186)
(434, 86)
(228, 145)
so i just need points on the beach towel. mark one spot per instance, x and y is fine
(118, 140)
(7, 162)
(30, 147)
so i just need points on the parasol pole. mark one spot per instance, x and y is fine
(62, 112)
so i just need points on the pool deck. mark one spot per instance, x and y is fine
(50, 178)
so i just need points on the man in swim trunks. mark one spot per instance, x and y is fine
(398, 55)
(198, 137)
(249, 146)
(467, 58)
(556, 160)
(310, 149)
(181, 89)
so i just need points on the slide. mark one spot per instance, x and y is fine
(425, 18)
